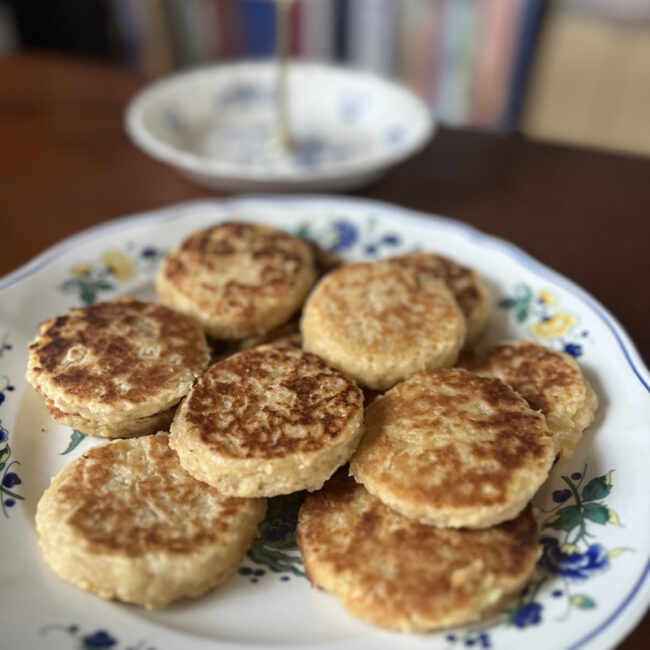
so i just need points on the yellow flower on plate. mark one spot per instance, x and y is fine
(546, 297)
(557, 325)
(119, 264)
(569, 549)
(81, 269)
(612, 517)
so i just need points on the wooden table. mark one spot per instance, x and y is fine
(66, 164)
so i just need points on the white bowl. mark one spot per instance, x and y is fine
(214, 125)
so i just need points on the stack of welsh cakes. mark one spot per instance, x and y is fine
(339, 380)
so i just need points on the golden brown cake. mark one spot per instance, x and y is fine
(466, 285)
(237, 279)
(116, 368)
(551, 382)
(402, 575)
(380, 323)
(125, 521)
(449, 448)
(266, 421)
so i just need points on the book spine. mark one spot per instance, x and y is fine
(372, 36)
(435, 55)
(257, 22)
(156, 56)
(499, 22)
(191, 23)
(227, 30)
(341, 30)
(127, 29)
(453, 102)
(418, 39)
(529, 26)
(317, 25)
(209, 25)
(296, 32)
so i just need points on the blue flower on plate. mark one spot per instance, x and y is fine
(560, 496)
(575, 565)
(10, 479)
(346, 235)
(99, 639)
(391, 239)
(573, 349)
(7, 387)
(528, 614)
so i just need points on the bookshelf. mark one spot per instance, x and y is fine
(466, 59)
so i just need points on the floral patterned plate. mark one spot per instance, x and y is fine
(216, 125)
(591, 585)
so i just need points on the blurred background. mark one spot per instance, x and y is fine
(574, 71)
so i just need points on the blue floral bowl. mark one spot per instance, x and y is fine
(215, 125)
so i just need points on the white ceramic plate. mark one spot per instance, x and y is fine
(214, 125)
(592, 585)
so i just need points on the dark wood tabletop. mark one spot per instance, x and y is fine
(66, 164)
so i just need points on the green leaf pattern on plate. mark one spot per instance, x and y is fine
(276, 546)
(75, 438)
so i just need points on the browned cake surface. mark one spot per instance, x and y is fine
(466, 285)
(453, 449)
(268, 401)
(136, 500)
(126, 521)
(238, 279)
(459, 279)
(380, 323)
(532, 370)
(117, 359)
(387, 294)
(550, 382)
(397, 573)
